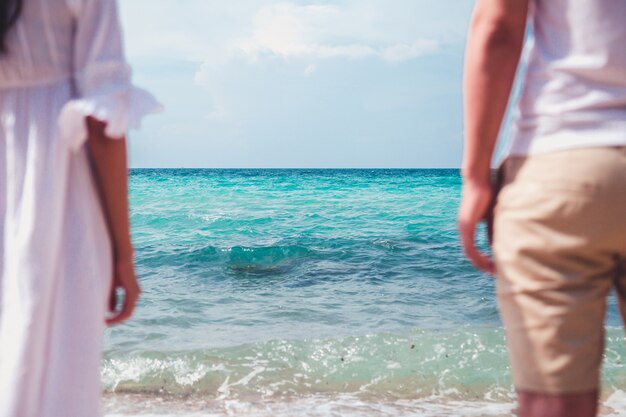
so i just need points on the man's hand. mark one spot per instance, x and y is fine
(493, 50)
(475, 202)
(123, 278)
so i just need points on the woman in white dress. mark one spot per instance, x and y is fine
(65, 249)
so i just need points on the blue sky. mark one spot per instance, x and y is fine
(262, 83)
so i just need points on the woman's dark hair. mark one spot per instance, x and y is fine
(9, 13)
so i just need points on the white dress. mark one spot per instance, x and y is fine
(65, 62)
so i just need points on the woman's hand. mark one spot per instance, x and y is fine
(123, 279)
(475, 202)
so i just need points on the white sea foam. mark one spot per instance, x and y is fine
(343, 405)
(615, 404)
(346, 405)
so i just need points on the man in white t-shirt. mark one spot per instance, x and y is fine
(559, 238)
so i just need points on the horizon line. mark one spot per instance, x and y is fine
(286, 168)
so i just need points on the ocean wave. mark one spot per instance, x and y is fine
(239, 258)
(280, 254)
(265, 259)
(460, 365)
(468, 364)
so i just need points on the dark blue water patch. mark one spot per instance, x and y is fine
(269, 259)
(305, 263)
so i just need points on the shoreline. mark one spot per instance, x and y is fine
(135, 405)
(127, 405)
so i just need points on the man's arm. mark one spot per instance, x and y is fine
(494, 47)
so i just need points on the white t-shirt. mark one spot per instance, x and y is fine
(574, 87)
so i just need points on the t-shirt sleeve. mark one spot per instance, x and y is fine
(102, 78)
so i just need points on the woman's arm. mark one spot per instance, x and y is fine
(110, 169)
(494, 46)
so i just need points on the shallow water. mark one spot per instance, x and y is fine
(310, 292)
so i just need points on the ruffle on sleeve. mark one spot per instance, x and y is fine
(106, 94)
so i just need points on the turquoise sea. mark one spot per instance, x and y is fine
(311, 293)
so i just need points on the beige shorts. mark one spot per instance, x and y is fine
(560, 247)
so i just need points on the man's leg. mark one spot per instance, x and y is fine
(556, 228)
(570, 405)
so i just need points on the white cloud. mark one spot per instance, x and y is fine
(310, 70)
(222, 37)
(214, 31)
(315, 32)
(404, 52)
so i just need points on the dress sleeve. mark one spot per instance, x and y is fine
(102, 77)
